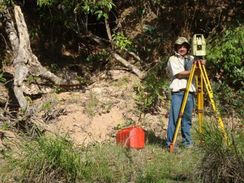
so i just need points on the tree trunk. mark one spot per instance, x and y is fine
(24, 61)
(133, 68)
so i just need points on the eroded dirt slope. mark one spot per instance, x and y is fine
(96, 113)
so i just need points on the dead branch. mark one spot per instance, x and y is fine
(119, 58)
(133, 68)
(134, 55)
(108, 30)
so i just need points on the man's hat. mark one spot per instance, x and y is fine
(182, 40)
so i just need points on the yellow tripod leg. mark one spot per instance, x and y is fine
(200, 101)
(183, 105)
(210, 94)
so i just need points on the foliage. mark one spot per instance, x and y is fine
(153, 89)
(44, 160)
(45, 2)
(220, 162)
(226, 54)
(4, 3)
(225, 57)
(166, 167)
(121, 41)
(2, 78)
(98, 8)
(231, 101)
(100, 56)
(91, 105)
(2, 6)
(54, 159)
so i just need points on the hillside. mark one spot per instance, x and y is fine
(94, 114)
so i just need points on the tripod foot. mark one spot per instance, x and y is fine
(171, 148)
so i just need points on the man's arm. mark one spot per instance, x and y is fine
(186, 74)
(183, 75)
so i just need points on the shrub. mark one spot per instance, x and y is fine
(231, 101)
(167, 167)
(226, 55)
(220, 162)
(153, 89)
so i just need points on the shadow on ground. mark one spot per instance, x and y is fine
(151, 138)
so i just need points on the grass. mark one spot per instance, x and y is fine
(222, 161)
(91, 105)
(55, 159)
(42, 160)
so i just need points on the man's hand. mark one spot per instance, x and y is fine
(203, 61)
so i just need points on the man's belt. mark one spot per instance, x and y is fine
(182, 90)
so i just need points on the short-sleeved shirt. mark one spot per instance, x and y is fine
(175, 65)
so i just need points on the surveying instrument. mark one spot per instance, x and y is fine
(199, 51)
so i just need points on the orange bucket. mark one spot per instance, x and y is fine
(132, 137)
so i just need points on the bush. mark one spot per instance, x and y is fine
(54, 159)
(231, 101)
(226, 55)
(169, 167)
(153, 89)
(220, 162)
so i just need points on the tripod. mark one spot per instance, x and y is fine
(201, 80)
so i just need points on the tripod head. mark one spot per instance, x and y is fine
(198, 46)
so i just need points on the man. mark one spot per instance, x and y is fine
(179, 66)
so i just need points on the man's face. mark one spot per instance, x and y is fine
(182, 49)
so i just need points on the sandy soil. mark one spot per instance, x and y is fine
(93, 115)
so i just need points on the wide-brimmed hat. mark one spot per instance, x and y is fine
(182, 40)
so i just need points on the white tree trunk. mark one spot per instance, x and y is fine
(24, 62)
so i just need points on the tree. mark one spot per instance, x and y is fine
(24, 61)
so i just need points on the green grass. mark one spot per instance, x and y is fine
(55, 159)
(42, 160)
(91, 105)
(222, 161)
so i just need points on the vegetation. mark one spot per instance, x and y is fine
(52, 159)
(225, 56)
(153, 90)
(44, 160)
(76, 40)
(222, 161)
(56, 159)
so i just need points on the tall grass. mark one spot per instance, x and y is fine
(51, 159)
(54, 159)
(221, 161)
(44, 160)
(167, 167)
